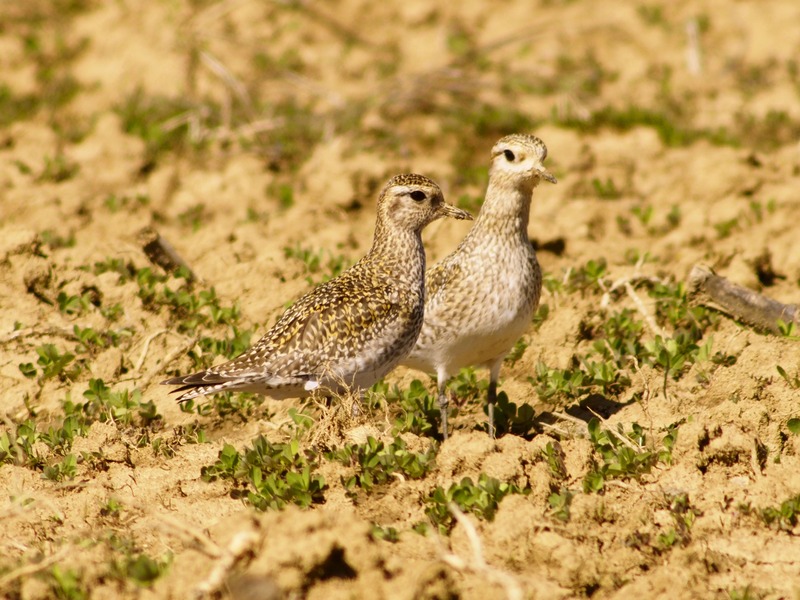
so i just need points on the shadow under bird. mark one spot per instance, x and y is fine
(481, 298)
(352, 330)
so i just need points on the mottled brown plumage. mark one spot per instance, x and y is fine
(480, 299)
(352, 330)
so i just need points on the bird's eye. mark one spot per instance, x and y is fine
(418, 195)
(509, 155)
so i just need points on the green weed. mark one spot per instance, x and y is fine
(73, 305)
(114, 203)
(52, 363)
(123, 407)
(745, 593)
(56, 241)
(269, 476)
(684, 517)
(141, 569)
(284, 194)
(624, 455)
(416, 410)
(67, 584)
(788, 330)
(157, 121)
(20, 447)
(66, 469)
(386, 534)
(554, 456)
(318, 262)
(783, 517)
(481, 499)
(606, 190)
(510, 418)
(58, 169)
(378, 464)
(670, 128)
(560, 503)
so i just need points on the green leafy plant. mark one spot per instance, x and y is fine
(283, 192)
(481, 499)
(378, 464)
(745, 593)
(589, 277)
(91, 341)
(643, 213)
(510, 418)
(683, 516)
(467, 386)
(560, 503)
(58, 168)
(269, 476)
(111, 508)
(783, 517)
(673, 129)
(602, 377)
(60, 439)
(606, 190)
(67, 584)
(318, 262)
(788, 330)
(416, 411)
(517, 351)
(141, 569)
(66, 469)
(554, 456)
(386, 534)
(20, 447)
(624, 455)
(73, 305)
(123, 406)
(53, 364)
(792, 380)
(116, 203)
(225, 404)
(156, 120)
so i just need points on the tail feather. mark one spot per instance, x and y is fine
(201, 384)
(208, 382)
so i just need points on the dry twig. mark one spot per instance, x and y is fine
(739, 302)
(243, 543)
(477, 564)
(146, 346)
(162, 253)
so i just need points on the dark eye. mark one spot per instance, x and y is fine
(509, 155)
(418, 195)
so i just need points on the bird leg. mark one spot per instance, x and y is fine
(443, 402)
(492, 398)
(494, 375)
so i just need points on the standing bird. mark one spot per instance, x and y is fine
(352, 330)
(481, 298)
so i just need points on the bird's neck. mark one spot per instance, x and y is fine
(399, 250)
(505, 212)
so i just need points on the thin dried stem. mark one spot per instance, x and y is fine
(477, 564)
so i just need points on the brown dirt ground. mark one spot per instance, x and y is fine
(394, 87)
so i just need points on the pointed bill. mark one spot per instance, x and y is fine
(448, 210)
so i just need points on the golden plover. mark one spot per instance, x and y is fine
(352, 330)
(480, 299)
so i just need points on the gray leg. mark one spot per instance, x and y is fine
(490, 406)
(494, 375)
(443, 402)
